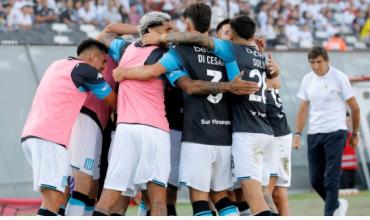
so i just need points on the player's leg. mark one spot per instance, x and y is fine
(240, 202)
(222, 181)
(248, 159)
(121, 206)
(157, 199)
(280, 193)
(195, 172)
(154, 165)
(316, 163)
(271, 165)
(121, 168)
(173, 179)
(85, 150)
(280, 196)
(334, 145)
(171, 199)
(50, 170)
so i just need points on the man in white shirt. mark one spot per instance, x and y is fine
(324, 93)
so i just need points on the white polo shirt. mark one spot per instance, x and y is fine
(327, 96)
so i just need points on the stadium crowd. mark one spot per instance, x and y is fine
(294, 23)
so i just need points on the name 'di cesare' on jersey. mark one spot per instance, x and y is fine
(275, 113)
(207, 118)
(249, 111)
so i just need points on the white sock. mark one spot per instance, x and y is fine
(75, 207)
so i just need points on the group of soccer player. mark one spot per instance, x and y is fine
(190, 110)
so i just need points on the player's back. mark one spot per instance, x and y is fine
(207, 117)
(141, 102)
(56, 103)
(249, 111)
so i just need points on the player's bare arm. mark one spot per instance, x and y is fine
(199, 87)
(138, 73)
(355, 112)
(111, 100)
(114, 30)
(300, 121)
(273, 83)
(179, 37)
(121, 29)
(273, 67)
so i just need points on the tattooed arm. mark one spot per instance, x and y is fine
(179, 37)
(200, 87)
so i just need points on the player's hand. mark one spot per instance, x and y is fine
(243, 87)
(151, 38)
(297, 141)
(118, 74)
(261, 44)
(272, 66)
(353, 142)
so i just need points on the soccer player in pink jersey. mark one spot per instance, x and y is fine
(56, 105)
(86, 141)
(140, 154)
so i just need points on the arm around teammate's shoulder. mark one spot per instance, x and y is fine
(197, 38)
(146, 72)
(200, 87)
(121, 29)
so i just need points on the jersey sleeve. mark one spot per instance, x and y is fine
(175, 75)
(302, 94)
(154, 56)
(87, 78)
(170, 61)
(116, 47)
(346, 89)
(224, 50)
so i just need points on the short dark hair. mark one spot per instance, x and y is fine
(317, 51)
(200, 14)
(243, 26)
(91, 43)
(222, 23)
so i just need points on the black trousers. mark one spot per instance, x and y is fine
(324, 161)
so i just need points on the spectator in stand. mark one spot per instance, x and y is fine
(262, 16)
(133, 16)
(25, 18)
(336, 42)
(292, 32)
(218, 13)
(3, 16)
(111, 14)
(43, 13)
(305, 37)
(70, 15)
(269, 33)
(365, 31)
(87, 14)
(122, 10)
(100, 7)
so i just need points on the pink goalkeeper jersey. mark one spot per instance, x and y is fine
(141, 102)
(101, 110)
(56, 104)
